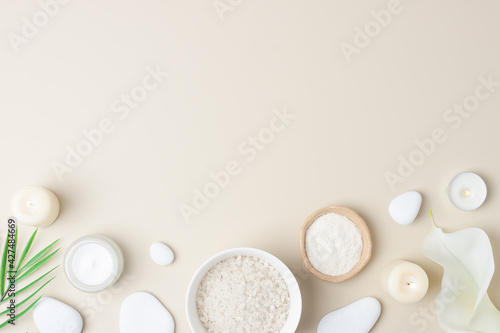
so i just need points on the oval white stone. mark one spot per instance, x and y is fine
(161, 254)
(357, 317)
(142, 312)
(53, 316)
(405, 207)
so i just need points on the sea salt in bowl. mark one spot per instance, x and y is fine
(293, 288)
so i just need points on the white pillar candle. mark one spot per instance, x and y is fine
(467, 191)
(406, 282)
(35, 206)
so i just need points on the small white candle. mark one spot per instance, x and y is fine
(406, 282)
(467, 191)
(35, 206)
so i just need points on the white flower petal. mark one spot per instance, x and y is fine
(463, 304)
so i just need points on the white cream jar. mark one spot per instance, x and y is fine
(93, 263)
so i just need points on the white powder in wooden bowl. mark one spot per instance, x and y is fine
(243, 294)
(333, 244)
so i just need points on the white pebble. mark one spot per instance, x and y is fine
(142, 312)
(161, 254)
(357, 317)
(53, 316)
(405, 207)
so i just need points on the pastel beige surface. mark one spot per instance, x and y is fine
(352, 122)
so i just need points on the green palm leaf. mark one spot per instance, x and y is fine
(29, 297)
(26, 249)
(22, 272)
(37, 257)
(3, 265)
(14, 249)
(36, 266)
(22, 313)
(29, 285)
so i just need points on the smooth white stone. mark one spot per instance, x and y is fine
(142, 312)
(357, 317)
(405, 207)
(161, 254)
(53, 316)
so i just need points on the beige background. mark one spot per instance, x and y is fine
(352, 122)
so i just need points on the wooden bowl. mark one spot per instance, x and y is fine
(365, 234)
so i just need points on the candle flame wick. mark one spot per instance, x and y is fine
(31, 204)
(467, 192)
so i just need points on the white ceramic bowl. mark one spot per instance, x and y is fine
(293, 287)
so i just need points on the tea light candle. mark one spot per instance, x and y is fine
(467, 191)
(93, 263)
(35, 206)
(406, 282)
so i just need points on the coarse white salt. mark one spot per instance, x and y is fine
(243, 294)
(333, 244)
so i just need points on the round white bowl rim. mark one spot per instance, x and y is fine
(292, 284)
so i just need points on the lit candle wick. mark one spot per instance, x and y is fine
(32, 204)
(467, 192)
(411, 284)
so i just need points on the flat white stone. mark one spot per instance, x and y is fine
(53, 316)
(357, 317)
(405, 207)
(142, 312)
(161, 254)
